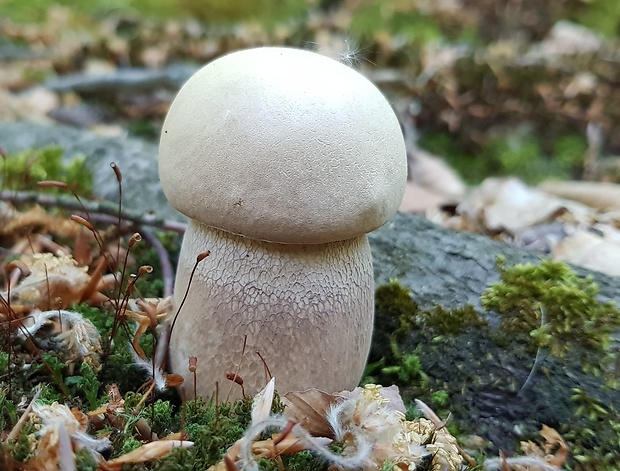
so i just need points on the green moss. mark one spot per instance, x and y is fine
(602, 16)
(396, 316)
(85, 385)
(213, 429)
(407, 370)
(210, 10)
(119, 367)
(569, 151)
(397, 17)
(160, 416)
(553, 307)
(440, 397)
(395, 312)
(8, 412)
(453, 321)
(455, 361)
(84, 460)
(594, 432)
(129, 444)
(21, 448)
(4, 363)
(23, 170)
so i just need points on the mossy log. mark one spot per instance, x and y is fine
(496, 383)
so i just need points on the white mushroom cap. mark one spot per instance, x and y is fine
(283, 145)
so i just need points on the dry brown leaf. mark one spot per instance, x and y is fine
(418, 199)
(508, 204)
(146, 452)
(14, 221)
(541, 457)
(432, 173)
(55, 282)
(309, 409)
(21, 222)
(554, 442)
(272, 448)
(598, 195)
(589, 250)
(61, 431)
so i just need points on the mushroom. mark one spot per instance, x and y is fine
(283, 160)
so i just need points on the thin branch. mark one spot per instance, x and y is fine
(167, 270)
(98, 207)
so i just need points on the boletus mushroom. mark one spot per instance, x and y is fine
(283, 160)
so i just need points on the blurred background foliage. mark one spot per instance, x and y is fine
(497, 88)
(484, 20)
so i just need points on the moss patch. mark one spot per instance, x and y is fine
(22, 171)
(503, 382)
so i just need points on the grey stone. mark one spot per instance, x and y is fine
(450, 268)
(136, 159)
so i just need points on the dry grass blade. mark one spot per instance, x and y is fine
(261, 405)
(147, 452)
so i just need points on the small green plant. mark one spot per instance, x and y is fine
(600, 15)
(398, 17)
(440, 397)
(453, 321)
(519, 154)
(160, 414)
(4, 363)
(130, 444)
(408, 370)
(594, 432)
(85, 461)
(87, 384)
(21, 449)
(8, 412)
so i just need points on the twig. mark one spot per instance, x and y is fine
(167, 270)
(107, 212)
(97, 207)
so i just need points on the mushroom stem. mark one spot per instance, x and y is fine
(307, 308)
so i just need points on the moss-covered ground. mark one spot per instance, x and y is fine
(502, 382)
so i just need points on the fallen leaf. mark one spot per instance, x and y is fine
(554, 441)
(598, 195)
(589, 250)
(146, 452)
(309, 409)
(507, 204)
